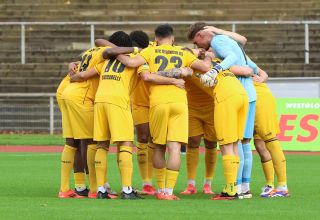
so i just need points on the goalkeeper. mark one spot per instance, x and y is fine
(225, 47)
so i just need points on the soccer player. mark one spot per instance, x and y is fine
(231, 54)
(113, 119)
(140, 114)
(78, 99)
(168, 106)
(79, 175)
(265, 139)
(201, 124)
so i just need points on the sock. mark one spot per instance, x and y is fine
(91, 154)
(67, 160)
(192, 159)
(150, 161)
(192, 182)
(79, 180)
(210, 161)
(171, 180)
(100, 162)
(102, 189)
(279, 161)
(207, 182)
(142, 156)
(241, 165)
(268, 171)
(247, 167)
(127, 189)
(160, 177)
(125, 165)
(230, 164)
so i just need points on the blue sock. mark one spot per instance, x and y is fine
(241, 165)
(246, 175)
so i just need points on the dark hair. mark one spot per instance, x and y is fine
(139, 39)
(121, 39)
(163, 31)
(194, 29)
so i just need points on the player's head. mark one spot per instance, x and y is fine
(163, 33)
(121, 39)
(139, 39)
(198, 36)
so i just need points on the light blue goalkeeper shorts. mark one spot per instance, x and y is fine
(248, 132)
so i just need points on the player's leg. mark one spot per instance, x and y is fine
(211, 155)
(192, 160)
(267, 166)
(159, 116)
(247, 153)
(67, 162)
(280, 167)
(79, 174)
(145, 169)
(68, 153)
(102, 135)
(177, 133)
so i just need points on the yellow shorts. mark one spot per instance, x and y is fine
(266, 125)
(230, 117)
(112, 122)
(169, 122)
(201, 122)
(140, 114)
(77, 119)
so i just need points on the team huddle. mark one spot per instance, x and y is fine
(172, 96)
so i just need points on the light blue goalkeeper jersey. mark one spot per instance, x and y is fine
(232, 54)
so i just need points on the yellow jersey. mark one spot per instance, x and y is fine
(86, 90)
(197, 94)
(165, 57)
(116, 83)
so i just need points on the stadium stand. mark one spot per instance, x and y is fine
(279, 49)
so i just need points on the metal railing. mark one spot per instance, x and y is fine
(39, 112)
(123, 23)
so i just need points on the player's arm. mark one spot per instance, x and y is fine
(242, 71)
(203, 65)
(262, 76)
(161, 80)
(176, 72)
(132, 62)
(103, 43)
(72, 67)
(116, 51)
(83, 76)
(235, 36)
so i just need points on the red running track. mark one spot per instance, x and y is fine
(58, 149)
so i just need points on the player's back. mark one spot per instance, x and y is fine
(116, 83)
(86, 90)
(161, 58)
(197, 94)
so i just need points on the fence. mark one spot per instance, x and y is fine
(39, 112)
(92, 28)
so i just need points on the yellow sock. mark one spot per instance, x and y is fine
(79, 180)
(171, 178)
(91, 154)
(142, 155)
(279, 161)
(230, 168)
(100, 163)
(125, 165)
(67, 160)
(150, 161)
(192, 159)
(210, 161)
(268, 171)
(160, 177)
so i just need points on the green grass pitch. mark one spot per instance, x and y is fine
(30, 183)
